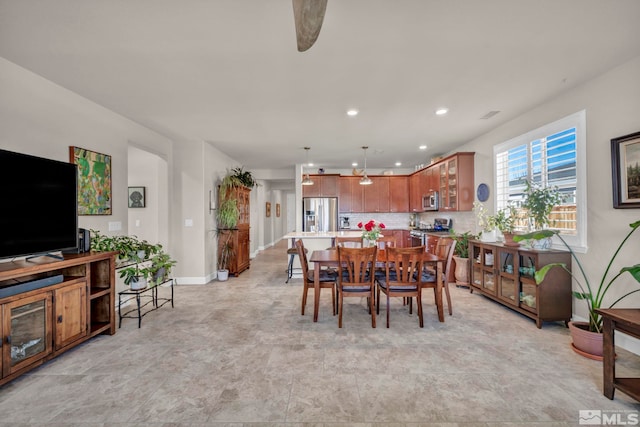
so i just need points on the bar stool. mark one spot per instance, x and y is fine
(292, 252)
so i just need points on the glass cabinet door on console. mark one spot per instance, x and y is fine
(26, 332)
(483, 271)
(528, 294)
(508, 284)
(476, 270)
(488, 269)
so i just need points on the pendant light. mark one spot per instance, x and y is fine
(365, 180)
(307, 180)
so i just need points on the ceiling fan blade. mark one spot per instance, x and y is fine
(308, 15)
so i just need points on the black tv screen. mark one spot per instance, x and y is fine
(39, 212)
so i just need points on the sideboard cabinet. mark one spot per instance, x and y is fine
(505, 274)
(48, 307)
(238, 237)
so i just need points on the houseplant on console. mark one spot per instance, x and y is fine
(505, 220)
(486, 222)
(538, 203)
(587, 336)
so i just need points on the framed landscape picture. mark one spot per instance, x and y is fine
(94, 181)
(625, 165)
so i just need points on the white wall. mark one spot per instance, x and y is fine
(41, 118)
(612, 104)
(150, 171)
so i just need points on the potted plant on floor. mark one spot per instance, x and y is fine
(461, 256)
(225, 252)
(227, 218)
(587, 336)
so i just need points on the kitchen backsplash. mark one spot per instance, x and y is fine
(462, 221)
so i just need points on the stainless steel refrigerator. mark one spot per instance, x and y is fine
(320, 214)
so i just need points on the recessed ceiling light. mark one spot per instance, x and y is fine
(354, 164)
(310, 164)
(423, 147)
(442, 111)
(352, 112)
(398, 163)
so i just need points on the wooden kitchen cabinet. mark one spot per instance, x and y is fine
(398, 194)
(456, 182)
(415, 193)
(506, 275)
(350, 194)
(323, 186)
(376, 195)
(432, 179)
(344, 195)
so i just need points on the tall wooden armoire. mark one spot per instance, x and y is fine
(239, 240)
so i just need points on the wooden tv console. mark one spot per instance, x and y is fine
(38, 324)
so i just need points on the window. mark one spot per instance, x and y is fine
(553, 155)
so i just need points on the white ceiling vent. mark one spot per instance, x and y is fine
(489, 115)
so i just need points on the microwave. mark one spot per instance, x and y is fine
(430, 201)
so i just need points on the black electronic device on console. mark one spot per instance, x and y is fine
(84, 240)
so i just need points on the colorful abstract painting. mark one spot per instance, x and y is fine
(94, 181)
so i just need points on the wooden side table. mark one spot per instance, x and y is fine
(627, 321)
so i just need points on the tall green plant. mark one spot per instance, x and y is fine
(593, 295)
(539, 201)
(462, 242)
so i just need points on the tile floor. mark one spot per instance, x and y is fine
(240, 353)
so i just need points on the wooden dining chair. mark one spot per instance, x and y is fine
(350, 242)
(402, 274)
(444, 250)
(327, 278)
(356, 277)
(384, 242)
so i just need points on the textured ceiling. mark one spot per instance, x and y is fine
(228, 72)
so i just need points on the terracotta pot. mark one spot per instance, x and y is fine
(508, 239)
(462, 271)
(585, 343)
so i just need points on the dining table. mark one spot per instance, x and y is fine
(329, 258)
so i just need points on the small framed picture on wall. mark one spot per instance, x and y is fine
(137, 197)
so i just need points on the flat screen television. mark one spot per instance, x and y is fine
(39, 205)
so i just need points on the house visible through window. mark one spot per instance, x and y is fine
(548, 156)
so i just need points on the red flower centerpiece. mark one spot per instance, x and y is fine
(371, 230)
